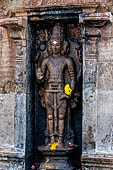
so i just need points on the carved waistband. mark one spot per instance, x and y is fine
(55, 86)
(54, 91)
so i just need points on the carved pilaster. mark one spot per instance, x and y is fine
(12, 93)
(13, 31)
(98, 35)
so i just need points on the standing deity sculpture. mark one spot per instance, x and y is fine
(51, 74)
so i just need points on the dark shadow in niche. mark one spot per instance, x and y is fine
(36, 114)
(30, 98)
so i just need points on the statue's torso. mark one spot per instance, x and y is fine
(56, 69)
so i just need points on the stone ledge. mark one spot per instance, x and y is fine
(106, 16)
(97, 161)
(4, 156)
(25, 11)
(20, 22)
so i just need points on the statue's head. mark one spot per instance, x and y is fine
(55, 46)
(57, 43)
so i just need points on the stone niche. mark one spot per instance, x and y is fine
(38, 35)
(90, 35)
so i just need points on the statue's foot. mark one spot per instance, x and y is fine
(60, 145)
(48, 145)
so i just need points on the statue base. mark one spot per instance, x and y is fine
(57, 159)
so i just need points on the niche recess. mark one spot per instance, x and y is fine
(38, 34)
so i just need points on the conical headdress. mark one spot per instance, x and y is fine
(58, 32)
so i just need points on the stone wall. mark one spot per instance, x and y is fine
(97, 128)
(12, 93)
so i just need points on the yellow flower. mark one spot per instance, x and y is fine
(54, 145)
(67, 89)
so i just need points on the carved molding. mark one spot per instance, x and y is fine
(41, 5)
(97, 162)
(15, 27)
(11, 22)
(12, 42)
(96, 19)
(60, 2)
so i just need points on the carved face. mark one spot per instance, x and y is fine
(56, 46)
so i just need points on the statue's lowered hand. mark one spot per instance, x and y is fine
(39, 74)
(68, 92)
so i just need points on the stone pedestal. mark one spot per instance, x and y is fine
(57, 159)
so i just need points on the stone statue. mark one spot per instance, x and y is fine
(51, 74)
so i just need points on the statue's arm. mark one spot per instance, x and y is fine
(70, 66)
(40, 72)
(71, 70)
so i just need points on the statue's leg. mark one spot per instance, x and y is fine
(50, 125)
(50, 117)
(61, 119)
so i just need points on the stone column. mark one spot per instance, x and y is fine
(97, 135)
(12, 93)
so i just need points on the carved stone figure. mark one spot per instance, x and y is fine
(51, 74)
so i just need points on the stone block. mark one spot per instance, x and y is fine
(12, 165)
(20, 76)
(104, 139)
(20, 63)
(90, 71)
(91, 46)
(6, 59)
(12, 121)
(4, 165)
(6, 133)
(105, 76)
(54, 2)
(89, 132)
(105, 50)
(15, 34)
(105, 102)
(89, 117)
(20, 121)
(105, 121)
(7, 106)
(89, 95)
(107, 31)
